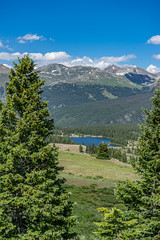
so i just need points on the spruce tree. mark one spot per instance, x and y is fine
(33, 201)
(103, 152)
(114, 225)
(80, 148)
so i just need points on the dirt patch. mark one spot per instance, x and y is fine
(118, 162)
(69, 147)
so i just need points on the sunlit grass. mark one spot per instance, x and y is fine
(92, 182)
(83, 168)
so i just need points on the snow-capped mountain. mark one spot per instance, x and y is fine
(158, 75)
(4, 69)
(112, 69)
(133, 73)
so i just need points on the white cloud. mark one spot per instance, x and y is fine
(154, 40)
(1, 44)
(39, 58)
(102, 62)
(123, 58)
(153, 69)
(66, 59)
(21, 41)
(51, 39)
(157, 56)
(85, 61)
(9, 56)
(53, 56)
(30, 37)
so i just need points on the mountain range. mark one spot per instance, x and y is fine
(83, 95)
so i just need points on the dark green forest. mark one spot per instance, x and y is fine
(119, 134)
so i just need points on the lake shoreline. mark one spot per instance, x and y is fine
(81, 135)
(89, 140)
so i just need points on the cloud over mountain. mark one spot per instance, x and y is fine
(66, 59)
(153, 69)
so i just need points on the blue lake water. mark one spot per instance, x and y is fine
(90, 140)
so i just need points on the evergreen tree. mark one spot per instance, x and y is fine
(87, 149)
(102, 152)
(80, 148)
(114, 225)
(33, 202)
(142, 197)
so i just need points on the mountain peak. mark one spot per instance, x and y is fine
(4, 69)
(133, 73)
(112, 68)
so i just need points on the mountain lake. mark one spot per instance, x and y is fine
(89, 140)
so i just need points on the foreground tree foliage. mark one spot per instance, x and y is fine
(142, 198)
(33, 202)
(115, 224)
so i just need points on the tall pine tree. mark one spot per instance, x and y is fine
(33, 202)
(142, 198)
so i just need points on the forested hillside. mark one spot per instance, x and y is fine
(86, 95)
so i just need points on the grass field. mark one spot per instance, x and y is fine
(91, 182)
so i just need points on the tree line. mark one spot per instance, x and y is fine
(119, 134)
(59, 139)
(103, 152)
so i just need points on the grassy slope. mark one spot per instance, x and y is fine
(80, 168)
(108, 79)
(92, 182)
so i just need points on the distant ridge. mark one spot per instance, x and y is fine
(113, 75)
(83, 95)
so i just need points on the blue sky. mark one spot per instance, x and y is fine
(96, 33)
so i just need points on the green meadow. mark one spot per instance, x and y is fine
(92, 182)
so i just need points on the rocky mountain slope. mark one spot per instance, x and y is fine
(57, 73)
(135, 74)
(4, 72)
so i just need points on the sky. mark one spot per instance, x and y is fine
(97, 33)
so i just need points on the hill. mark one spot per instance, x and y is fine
(121, 110)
